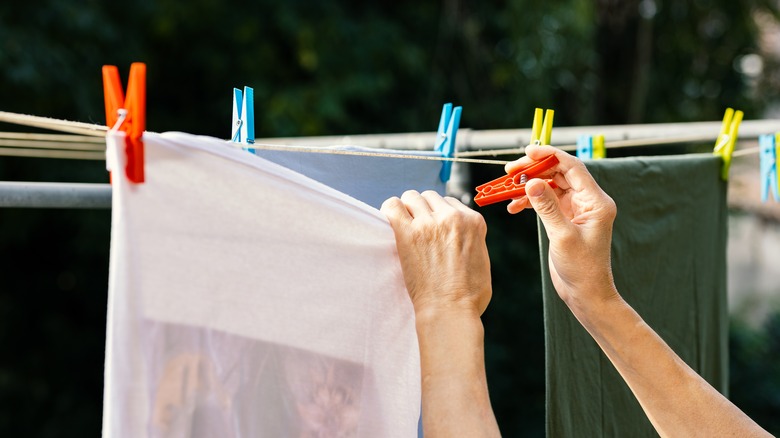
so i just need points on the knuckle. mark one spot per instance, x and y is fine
(391, 208)
(610, 207)
(544, 206)
(455, 217)
(409, 193)
(475, 219)
(479, 227)
(390, 203)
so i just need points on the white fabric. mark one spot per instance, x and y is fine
(247, 300)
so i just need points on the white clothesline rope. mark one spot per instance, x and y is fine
(89, 145)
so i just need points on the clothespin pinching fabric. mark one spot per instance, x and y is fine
(727, 139)
(243, 127)
(512, 185)
(591, 147)
(768, 165)
(127, 114)
(446, 137)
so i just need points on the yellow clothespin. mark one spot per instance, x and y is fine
(541, 132)
(599, 150)
(591, 147)
(727, 139)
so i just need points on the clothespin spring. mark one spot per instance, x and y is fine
(121, 116)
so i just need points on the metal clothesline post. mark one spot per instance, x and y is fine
(55, 195)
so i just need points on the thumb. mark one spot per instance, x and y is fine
(543, 200)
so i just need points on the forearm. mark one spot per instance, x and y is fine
(677, 401)
(455, 399)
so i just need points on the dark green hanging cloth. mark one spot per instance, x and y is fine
(669, 262)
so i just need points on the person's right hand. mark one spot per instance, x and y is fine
(441, 246)
(578, 218)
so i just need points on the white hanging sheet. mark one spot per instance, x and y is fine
(248, 300)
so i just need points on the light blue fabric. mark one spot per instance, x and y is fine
(368, 179)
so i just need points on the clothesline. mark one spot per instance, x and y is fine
(87, 153)
(89, 145)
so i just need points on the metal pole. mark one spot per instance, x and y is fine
(54, 195)
(472, 140)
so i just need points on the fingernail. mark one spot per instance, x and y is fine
(535, 190)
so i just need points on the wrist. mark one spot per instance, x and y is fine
(451, 343)
(599, 315)
(436, 312)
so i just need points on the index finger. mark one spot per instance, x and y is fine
(395, 211)
(574, 172)
(435, 200)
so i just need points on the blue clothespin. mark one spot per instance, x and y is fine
(591, 147)
(446, 136)
(244, 117)
(585, 147)
(768, 160)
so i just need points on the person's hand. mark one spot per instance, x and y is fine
(441, 245)
(578, 218)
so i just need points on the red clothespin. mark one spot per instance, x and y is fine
(513, 185)
(133, 112)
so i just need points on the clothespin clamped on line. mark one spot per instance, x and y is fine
(128, 114)
(446, 137)
(768, 146)
(244, 117)
(512, 185)
(591, 147)
(727, 139)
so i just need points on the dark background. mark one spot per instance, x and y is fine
(348, 67)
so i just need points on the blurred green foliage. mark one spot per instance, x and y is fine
(754, 382)
(340, 67)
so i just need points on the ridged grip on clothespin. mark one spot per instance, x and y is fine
(512, 186)
(446, 137)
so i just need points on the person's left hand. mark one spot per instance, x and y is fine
(441, 244)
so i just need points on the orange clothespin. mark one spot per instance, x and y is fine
(513, 185)
(128, 114)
